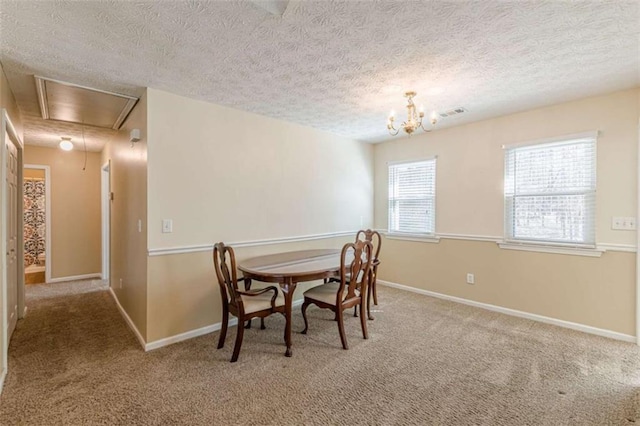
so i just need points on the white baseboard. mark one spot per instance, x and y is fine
(2, 377)
(156, 344)
(127, 319)
(521, 314)
(75, 278)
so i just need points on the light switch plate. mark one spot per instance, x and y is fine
(623, 223)
(167, 226)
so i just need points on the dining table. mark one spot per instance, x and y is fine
(287, 270)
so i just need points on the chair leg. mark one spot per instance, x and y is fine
(225, 324)
(236, 348)
(343, 336)
(248, 326)
(355, 311)
(369, 305)
(363, 322)
(262, 327)
(374, 288)
(305, 305)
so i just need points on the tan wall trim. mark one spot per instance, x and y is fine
(520, 314)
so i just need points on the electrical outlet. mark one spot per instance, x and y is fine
(167, 225)
(471, 279)
(616, 223)
(631, 223)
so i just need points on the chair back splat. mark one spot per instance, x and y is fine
(227, 277)
(374, 238)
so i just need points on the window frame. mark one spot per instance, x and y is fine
(556, 246)
(411, 235)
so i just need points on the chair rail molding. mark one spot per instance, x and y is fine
(599, 249)
(253, 243)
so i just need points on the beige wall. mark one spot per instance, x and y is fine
(75, 209)
(598, 292)
(594, 291)
(128, 175)
(223, 174)
(227, 175)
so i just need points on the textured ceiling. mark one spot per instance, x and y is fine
(339, 66)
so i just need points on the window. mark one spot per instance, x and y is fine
(550, 192)
(412, 197)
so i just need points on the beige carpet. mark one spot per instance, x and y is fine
(74, 361)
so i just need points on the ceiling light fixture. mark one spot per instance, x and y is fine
(65, 144)
(414, 118)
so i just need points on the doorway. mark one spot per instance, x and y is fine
(37, 224)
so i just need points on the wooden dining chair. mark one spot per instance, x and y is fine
(355, 274)
(244, 304)
(376, 240)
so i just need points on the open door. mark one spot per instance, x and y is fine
(11, 234)
(11, 214)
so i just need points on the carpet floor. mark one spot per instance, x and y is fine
(73, 361)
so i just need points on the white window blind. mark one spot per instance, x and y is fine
(550, 192)
(412, 197)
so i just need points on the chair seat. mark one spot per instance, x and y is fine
(261, 302)
(326, 293)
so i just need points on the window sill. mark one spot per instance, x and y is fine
(573, 251)
(421, 238)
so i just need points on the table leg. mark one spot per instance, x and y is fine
(288, 289)
(247, 287)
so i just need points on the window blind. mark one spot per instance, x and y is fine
(412, 197)
(550, 192)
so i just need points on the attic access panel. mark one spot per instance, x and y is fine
(82, 105)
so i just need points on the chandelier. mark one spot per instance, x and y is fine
(414, 118)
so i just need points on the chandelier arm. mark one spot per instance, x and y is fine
(423, 129)
(394, 134)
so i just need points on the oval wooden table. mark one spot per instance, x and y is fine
(288, 269)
